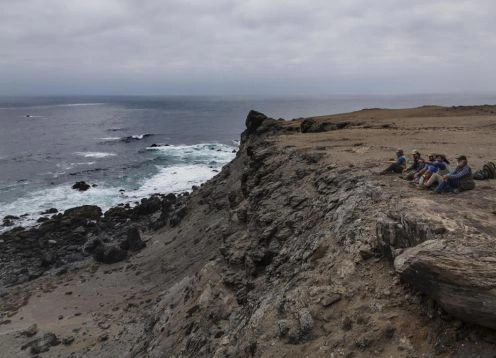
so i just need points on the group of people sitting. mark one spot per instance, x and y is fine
(434, 172)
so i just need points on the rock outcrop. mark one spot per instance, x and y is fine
(460, 275)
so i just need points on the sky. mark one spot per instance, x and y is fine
(241, 47)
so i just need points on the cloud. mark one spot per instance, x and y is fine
(241, 46)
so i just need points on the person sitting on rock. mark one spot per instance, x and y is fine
(409, 173)
(437, 169)
(398, 166)
(459, 179)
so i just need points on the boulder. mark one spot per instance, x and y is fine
(109, 254)
(83, 213)
(458, 274)
(49, 211)
(81, 186)
(118, 214)
(148, 206)
(42, 344)
(133, 241)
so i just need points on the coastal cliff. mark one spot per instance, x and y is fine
(296, 248)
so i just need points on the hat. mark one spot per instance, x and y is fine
(415, 151)
(461, 157)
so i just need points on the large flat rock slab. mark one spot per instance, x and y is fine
(459, 274)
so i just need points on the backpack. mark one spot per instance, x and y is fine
(488, 171)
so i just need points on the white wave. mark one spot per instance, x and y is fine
(61, 197)
(79, 104)
(174, 179)
(110, 138)
(140, 136)
(197, 153)
(200, 163)
(69, 166)
(168, 180)
(95, 154)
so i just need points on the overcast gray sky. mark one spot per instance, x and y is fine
(246, 46)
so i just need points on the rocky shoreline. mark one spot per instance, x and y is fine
(296, 248)
(64, 239)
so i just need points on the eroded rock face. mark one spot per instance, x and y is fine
(459, 275)
(456, 271)
(400, 230)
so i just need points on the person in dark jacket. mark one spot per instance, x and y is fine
(398, 165)
(409, 173)
(459, 179)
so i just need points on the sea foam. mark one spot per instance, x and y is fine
(95, 154)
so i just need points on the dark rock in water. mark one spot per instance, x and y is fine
(49, 211)
(154, 145)
(133, 241)
(42, 344)
(85, 212)
(108, 254)
(81, 186)
(42, 219)
(7, 222)
(11, 217)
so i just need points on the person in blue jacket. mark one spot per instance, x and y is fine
(398, 166)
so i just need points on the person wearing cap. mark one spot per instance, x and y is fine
(398, 166)
(459, 179)
(418, 164)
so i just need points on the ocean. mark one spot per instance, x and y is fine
(49, 143)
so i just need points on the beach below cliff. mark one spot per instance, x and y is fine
(296, 248)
